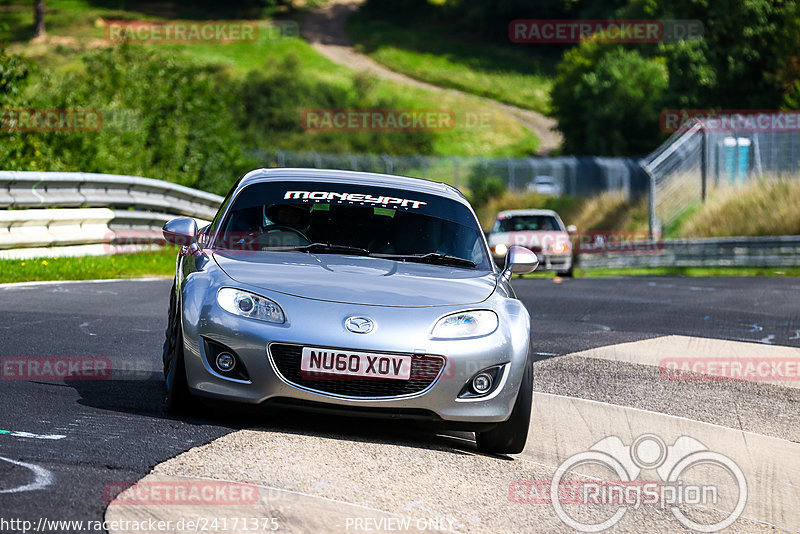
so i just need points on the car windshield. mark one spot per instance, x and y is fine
(526, 223)
(340, 218)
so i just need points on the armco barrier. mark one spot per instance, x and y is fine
(30, 189)
(780, 251)
(59, 213)
(102, 226)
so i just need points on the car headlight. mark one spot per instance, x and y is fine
(466, 325)
(500, 249)
(560, 247)
(249, 305)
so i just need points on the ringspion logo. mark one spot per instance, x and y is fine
(676, 465)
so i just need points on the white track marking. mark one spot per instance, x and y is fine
(42, 477)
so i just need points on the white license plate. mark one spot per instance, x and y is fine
(322, 361)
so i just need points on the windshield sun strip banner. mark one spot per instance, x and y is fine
(354, 197)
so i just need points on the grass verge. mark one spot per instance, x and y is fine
(770, 206)
(162, 264)
(75, 27)
(766, 207)
(606, 211)
(429, 52)
(139, 265)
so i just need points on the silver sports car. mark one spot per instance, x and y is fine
(367, 294)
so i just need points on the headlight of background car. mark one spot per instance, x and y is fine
(500, 249)
(465, 325)
(249, 305)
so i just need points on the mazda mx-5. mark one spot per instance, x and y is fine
(367, 294)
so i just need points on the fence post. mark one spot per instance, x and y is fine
(651, 201)
(388, 162)
(703, 164)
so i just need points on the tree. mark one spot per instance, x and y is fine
(747, 57)
(13, 71)
(607, 100)
(38, 18)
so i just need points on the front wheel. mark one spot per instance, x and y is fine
(510, 436)
(178, 399)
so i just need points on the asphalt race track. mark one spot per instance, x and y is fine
(598, 344)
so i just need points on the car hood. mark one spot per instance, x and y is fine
(358, 279)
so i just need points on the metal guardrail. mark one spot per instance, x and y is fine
(92, 229)
(780, 251)
(30, 189)
(133, 211)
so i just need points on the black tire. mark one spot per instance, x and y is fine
(569, 273)
(178, 400)
(510, 436)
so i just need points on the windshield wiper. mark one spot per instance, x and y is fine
(431, 257)
(329, 248)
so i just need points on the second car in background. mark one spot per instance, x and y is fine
(542, 231)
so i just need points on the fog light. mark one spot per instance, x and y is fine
(225, 362)
(482, 383)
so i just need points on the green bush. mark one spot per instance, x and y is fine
(170, 118)
(270, 103)
(161, 118)
(607, 100)
(484, 185)
(13, 72)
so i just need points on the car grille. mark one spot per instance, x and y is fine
(424, 370)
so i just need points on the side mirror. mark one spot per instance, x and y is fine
(519, 260)
(571, 229)
(181, 231)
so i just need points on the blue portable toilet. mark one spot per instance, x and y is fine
(735, 158)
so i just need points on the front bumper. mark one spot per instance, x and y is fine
(321, 324)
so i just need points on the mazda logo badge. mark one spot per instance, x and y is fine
(359, 325)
